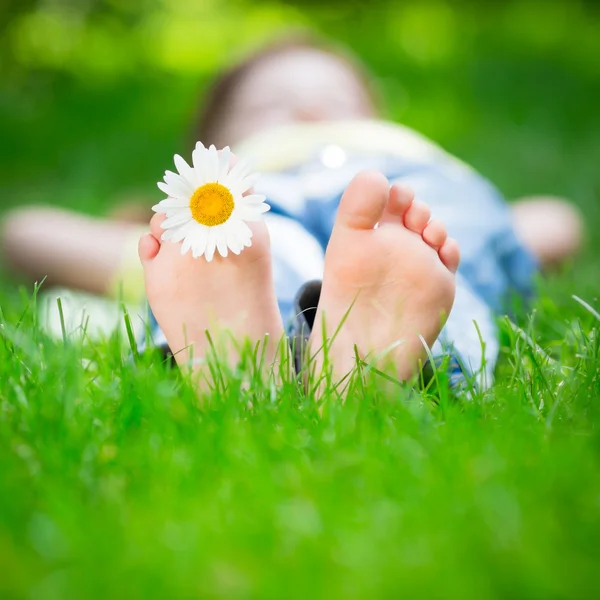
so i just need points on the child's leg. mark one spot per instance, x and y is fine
(471, 336)
(72, 250)
(403, 270)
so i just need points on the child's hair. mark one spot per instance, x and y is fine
(217, 100)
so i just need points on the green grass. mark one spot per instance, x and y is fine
(116, 482)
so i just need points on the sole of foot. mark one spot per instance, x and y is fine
(388, 281)
(233, 298)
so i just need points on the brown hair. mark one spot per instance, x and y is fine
(217, 100)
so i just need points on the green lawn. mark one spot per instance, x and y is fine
(116, 482)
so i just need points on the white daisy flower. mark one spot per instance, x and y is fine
(206, 208)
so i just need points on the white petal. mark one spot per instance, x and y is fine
(184, 169)
(252, 199)
(187, 244)
(168, 234)
(224, 162)
(211, 244)
(199, 244)
(169, 204)
(178, 233)
(222, 242)
(178, 182)
(239, 229)
(163, 187)
(192, 232)
(234, 190)
(212, 164)
(239, 171)
(199, 158)
(233, 241)
(251, 212)
(249, 181)
(177, 219)
(171, 212)
(160, 207)
(173, 191)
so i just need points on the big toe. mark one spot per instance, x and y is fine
(148, 248)
(364, 200)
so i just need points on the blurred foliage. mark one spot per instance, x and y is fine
(96, 95)
(114, 481)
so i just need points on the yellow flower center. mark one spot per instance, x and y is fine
(211, 204)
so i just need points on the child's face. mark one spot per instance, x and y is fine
(294, 86)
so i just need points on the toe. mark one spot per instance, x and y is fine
(435, 233)
(364, 201)
(417, 216)
(400, 199)
(148, 248)
(155, 225)
(450, 254)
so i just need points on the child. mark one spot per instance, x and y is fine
(307, 115)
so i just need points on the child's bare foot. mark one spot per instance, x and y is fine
(232, 297)
(393, 281)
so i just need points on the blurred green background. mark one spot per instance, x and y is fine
(95, 98)
(97, 95)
